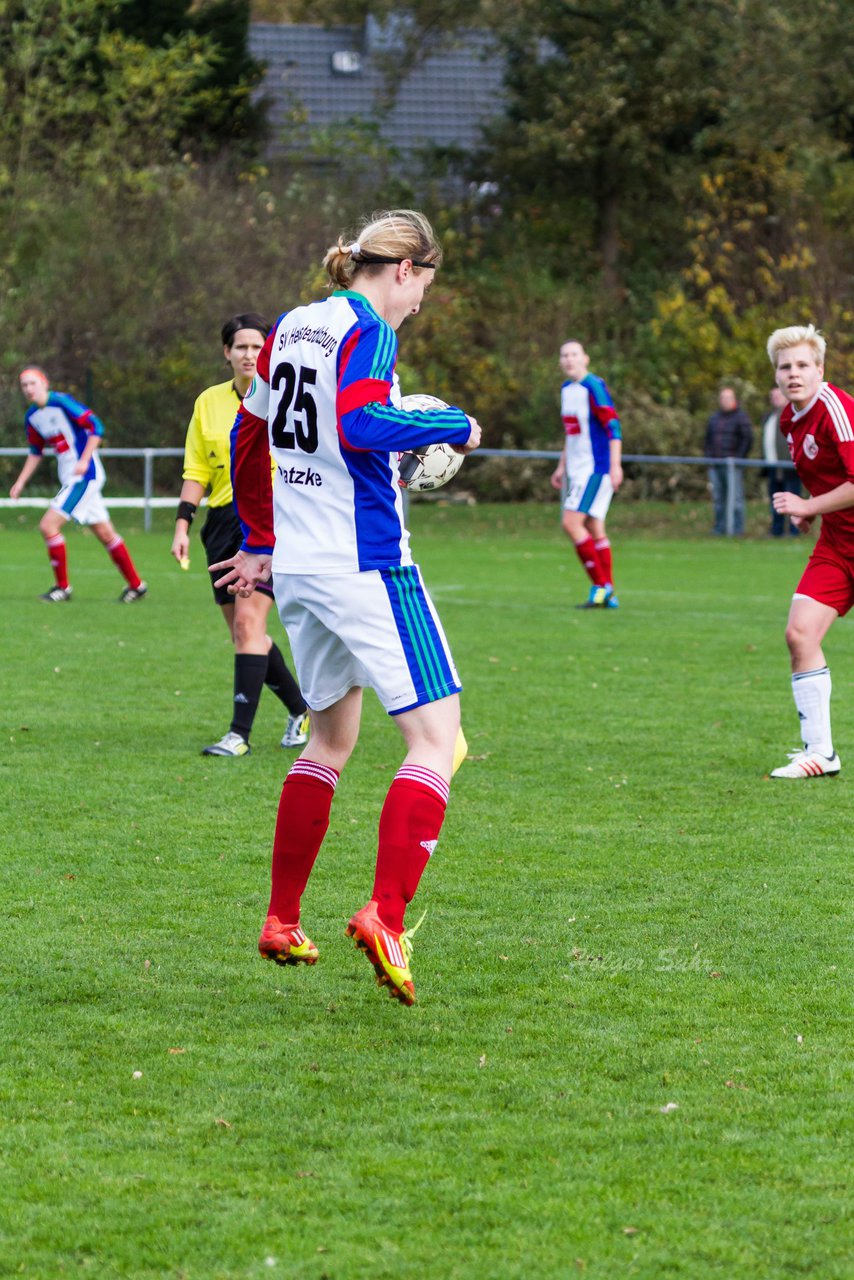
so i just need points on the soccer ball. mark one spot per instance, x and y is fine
(429, 468)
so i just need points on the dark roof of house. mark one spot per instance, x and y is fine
(442, 101)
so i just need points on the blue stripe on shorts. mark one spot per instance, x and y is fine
(591, 489)
(422, 643)
(74, 496)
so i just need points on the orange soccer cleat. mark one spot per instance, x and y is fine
(286, 943)
(389, 952)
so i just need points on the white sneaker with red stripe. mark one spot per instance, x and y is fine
(808, 764)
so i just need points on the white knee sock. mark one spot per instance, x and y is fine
(811, 690)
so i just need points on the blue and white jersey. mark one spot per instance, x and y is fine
(325, 404)
(64, 425)
(591, 423)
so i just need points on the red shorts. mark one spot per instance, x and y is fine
(829, 577)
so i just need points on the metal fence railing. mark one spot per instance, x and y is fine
(149, 502)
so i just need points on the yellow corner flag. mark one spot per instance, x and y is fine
(460, 750)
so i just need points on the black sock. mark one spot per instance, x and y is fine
(282, 683)
(249, 672)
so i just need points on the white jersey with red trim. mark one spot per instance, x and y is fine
(590, 422)
(326, 392)
(821, 443)
(65, 425)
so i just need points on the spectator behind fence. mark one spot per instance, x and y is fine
(776, 450)
(729, 434)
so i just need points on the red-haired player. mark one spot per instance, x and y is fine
(58, 421)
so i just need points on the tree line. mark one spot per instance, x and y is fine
(668, 182)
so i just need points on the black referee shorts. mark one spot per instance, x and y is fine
(221, 538)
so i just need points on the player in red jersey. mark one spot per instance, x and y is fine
(818, 423)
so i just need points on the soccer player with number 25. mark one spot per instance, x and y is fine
(326, 403)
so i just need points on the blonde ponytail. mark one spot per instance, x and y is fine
(384, 238)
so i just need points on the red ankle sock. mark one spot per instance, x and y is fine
(410, 823)
(589, 557)
(58, 557)
(603, 551)
(120, 557)
(301, 824)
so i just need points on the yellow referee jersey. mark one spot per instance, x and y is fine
(207, 452)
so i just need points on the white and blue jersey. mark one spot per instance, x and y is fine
(65, 425)
(325, 403)
(590, 422)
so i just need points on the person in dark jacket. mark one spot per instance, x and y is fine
(729, 434)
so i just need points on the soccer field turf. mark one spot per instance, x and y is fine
(631, 1051)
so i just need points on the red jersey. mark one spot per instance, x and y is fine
(821, 443)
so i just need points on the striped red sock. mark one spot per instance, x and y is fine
(589, 557)
(58, 556)
(120, 557)
(301, 824)
(603, 551)
(410, 823)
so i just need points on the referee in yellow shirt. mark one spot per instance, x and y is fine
(207, 466)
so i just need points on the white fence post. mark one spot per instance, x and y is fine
(148, 487)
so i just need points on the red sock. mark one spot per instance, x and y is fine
(589, 557)
(410, 823)
(120, 557)
(301, 824)
(603, 551)
(58, 557)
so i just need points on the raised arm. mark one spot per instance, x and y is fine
(838, 499)
(366, 417)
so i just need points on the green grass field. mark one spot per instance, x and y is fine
(631, 1051)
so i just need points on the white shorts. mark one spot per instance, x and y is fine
(375, 630)
(82, 500)
(590, 492)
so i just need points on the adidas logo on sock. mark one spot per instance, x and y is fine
(429, 845)
(240, 697)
